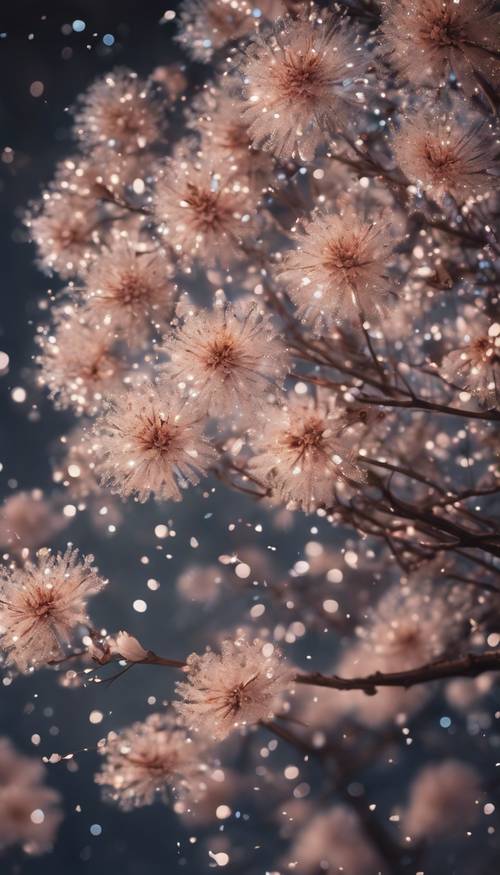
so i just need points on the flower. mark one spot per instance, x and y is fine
(77, 469)
(76, 363)
(338, 270)
(129, 291)
(207, 25)
(29, 811)
(443, 797)
(28, 519)
(297, 84)
(65, 233)
(333, 839)
(128, 647)
(204, 206)
(227, 358)
(42, 603)
(428, 39)
(147, 761)
(302, 453)
(241, 685)
(150, 445)
(118, 110)
(445, 156)
(476, 364)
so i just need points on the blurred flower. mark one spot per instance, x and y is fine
(65, 232)
(338, 270)
(148, 761)
(207, 25)
(200, 583)
(226, 358)
(42, 603)
(443, 798)
(333, 840)
(476, 364)
(150, 445)
(29, 811)
(28, 519)
(240, 686)
(298, 81)
(446, 157)
(118, 110)
(302, 453)
(429, 39)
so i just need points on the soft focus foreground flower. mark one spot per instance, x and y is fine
(298, 81)
(119, 110)
(226, 358)
(42, 603)
(149, 761)
(240, 686)
(428, 39)
(303, 453)
(333, 840)
(338, 270)
(150, 445)
(29, 811)
(475, 365)
(206, 25)
(77, 364)
(443, 798)
(446, 157)
(129, 292)
(204, 207)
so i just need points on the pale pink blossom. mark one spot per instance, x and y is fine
(205, 207)
(239, 686)
(150, 761)
(333, 840)
(128, 647)
(303, 452)
(298, 84)
(227, 359)
(443, 799)
(66, 233)
(149, 444)
(338, 269)
(27, 520)
(129, 292)
(77, 363)
(446, 156)
(30, 812)
(426, 40)
(207, 25)
(119, 110)
(42, 604)
(475, 364)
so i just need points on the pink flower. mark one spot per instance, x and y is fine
(226, 358)
(128, 647)
(207, 25)
(149, 761)
(443, 798)
(238, 687)
(151, 445)
(298, 81)
(333, 839)
(42, 604)
(338, 270)
(475, 365)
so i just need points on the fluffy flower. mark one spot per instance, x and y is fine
(298, 84)
(338, 270)
(303, 452)
(76, 363)
(149, 761)
(204, 206)
(29, 811)
(28, 519)
(476, 365)
(238, 687)
(333, 840)
(42, 603)
(150, 445)
(119, 110)
(227, 358)
(446, 157)
(207, 25)
(429, 39)
(129, 291)
(65, 234)
(442, 798)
